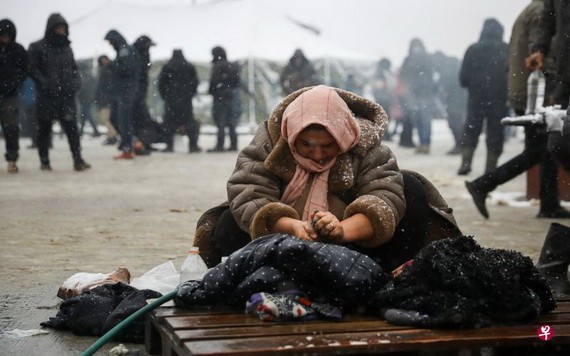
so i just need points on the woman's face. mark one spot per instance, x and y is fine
(317, 145)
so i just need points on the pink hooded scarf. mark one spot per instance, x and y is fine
(323, 106)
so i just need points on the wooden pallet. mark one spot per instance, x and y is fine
(207, 331)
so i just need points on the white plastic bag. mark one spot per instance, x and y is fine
(193, 267)
(162, 278)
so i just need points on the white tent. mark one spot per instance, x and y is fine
(245, 28)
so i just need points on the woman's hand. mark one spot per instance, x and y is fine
(327, 225)
(300, 229)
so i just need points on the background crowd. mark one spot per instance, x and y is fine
(116, 96)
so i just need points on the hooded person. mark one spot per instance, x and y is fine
(487, 102)
(126, 73)
(13, 71)
(178, 84)
(225, 82)
(298, 73)
(145, 128)
(55, 72)
(416, 75)
(317, 170)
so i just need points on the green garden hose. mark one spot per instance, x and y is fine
(111, 333)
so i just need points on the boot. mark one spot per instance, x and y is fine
(549, 201)
(44, 164)
(194, 148)
(492, 159)
(80, 165)
(555, 258)
(479, 195)
(12, 167)
(467, 157)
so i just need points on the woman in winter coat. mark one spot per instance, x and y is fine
(316, 169)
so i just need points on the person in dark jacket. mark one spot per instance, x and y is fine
(177, 84)
(417, 77)
(555, 38)
(554, 27)
(297, 74)
(126, 74)
(224, 87)
(55, 72)
(86, 97)
(104, 99)
(145, 128)
(13, 71)
(484, 74)
(535, 151)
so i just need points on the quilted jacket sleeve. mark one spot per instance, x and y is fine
(380, 194)
(253, 192)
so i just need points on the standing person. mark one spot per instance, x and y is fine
(86, 97)
(126, 72)
(524, 34)
(55, 72)
(224, 87)
(452, 96)
(297, 74)
(13, 71)
(555, 38)
(484, 74)
(383, 87)
(554, 33)
(104, 98)
(145, 128)
(417, 77)
(177, 84)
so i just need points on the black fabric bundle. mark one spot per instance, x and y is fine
(457, 283)
(100, 309)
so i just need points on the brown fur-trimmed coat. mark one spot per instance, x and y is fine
(364, 180)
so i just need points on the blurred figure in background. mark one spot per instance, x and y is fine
(85, 98)
(523, 35)
(298, 73)
(417, 77)
(13, 71)
(104, 97)
(146, 130)
(178, 84)
(353, 85)
(29, 121)
(484, 74)
(383, 87)
(55, 72)
(126, 72)
(452, 96)
(226, 109)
